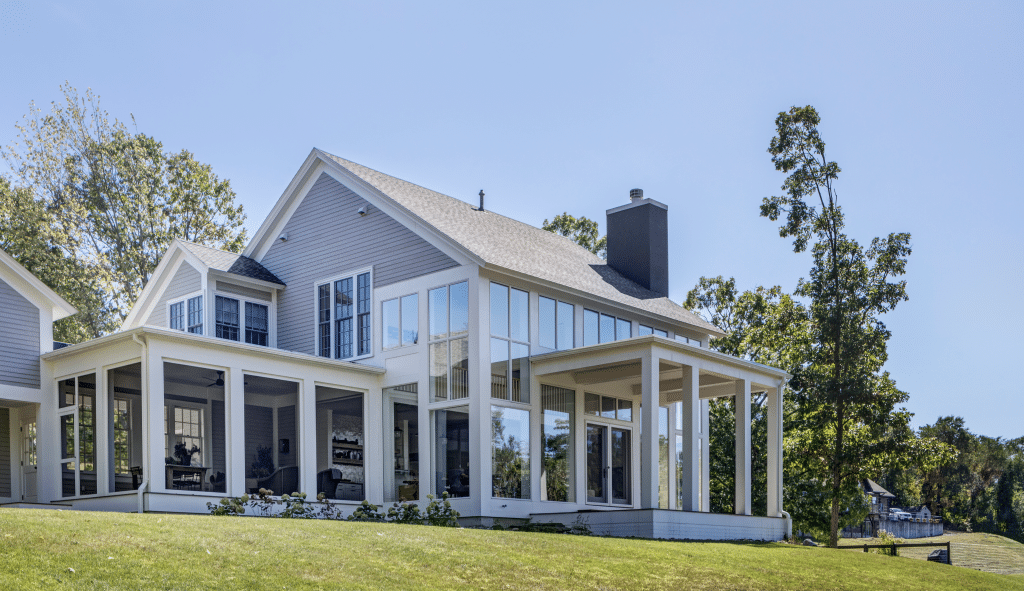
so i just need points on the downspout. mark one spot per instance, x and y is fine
(145, 380)
(789, 525)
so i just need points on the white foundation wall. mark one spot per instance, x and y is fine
(673, 525)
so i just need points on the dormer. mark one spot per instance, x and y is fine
(210, 292)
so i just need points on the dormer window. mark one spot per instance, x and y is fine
(186, 314)
(251, 327)
(343, 316)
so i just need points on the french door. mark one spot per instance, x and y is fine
(609, 465)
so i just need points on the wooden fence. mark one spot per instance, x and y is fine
(893, 548)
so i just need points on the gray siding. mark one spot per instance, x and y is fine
(19, 339)
(248, 292)
(5, 453)
(184, 282)
(327, 237)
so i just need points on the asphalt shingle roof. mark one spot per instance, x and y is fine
(872, 488)
(230, 262)
(520, 247)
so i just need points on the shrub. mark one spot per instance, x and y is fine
(367, 512)
(405, 513)
(440, 512)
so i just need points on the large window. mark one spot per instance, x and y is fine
(77, 417)
(557, 325)
(340, 444)
(449, 342)
(450, 447)
(510, 452)
(343, 321)
(604, 328)
(510, 343)
(401, 321)
(558, 408)
(186, 314)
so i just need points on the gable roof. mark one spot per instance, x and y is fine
(872, 488)
(39, 292)
(230, 262)
(500, 242)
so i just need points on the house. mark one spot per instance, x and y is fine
(880, 498)
(378, 340)
(919, 512)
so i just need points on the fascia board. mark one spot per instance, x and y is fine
(37, 292)
(163, 273)
(603, 301)
(242, 279)
(264, 237)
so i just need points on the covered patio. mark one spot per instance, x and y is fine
(655, 482)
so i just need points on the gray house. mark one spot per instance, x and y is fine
(379, 340)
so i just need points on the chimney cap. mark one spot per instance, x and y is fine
(636, 195)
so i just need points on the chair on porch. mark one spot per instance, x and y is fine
(327, 482)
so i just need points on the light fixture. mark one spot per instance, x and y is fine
(283, 237)
(362, 211)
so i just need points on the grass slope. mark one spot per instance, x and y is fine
(981, 551)
(128, 551)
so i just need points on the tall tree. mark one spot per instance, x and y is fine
(582, 231)
(112, 202)
(848, 405)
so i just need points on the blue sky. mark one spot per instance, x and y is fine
(553, 107)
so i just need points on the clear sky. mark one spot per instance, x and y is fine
(553, 107)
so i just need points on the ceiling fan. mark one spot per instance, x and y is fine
(219, 382)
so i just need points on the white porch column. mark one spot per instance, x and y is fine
(157, 429)
(235, 432)
(705, 456)
(775, 452)
(689, 487)
(649, 397)
(307, 438)
(742, 403)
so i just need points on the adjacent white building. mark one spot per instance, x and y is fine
(378, 340)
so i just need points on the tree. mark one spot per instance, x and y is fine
(580, 230)
(849, 424)
(111, 202)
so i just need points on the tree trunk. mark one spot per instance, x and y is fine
(833, 534)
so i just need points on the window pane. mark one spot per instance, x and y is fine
(558, 412)
(546, 322)
(343, 311)
(67, 437)
(439, 371)
(401, 453)
(499, 310)
(621, 474)
(66, 393)
(87, 434)
(681, 339)
(450, 447)
(363, 306)
(663, 457)
(510, 453)
(257, 323)
(626, 410)
(460, 368)
(519, 315)
(607, 328)
(566, 326)
(227, 318)
(590, 328)
(195, 315)
(592, 404)
(391, 321)
(364, 293)
(660, 333)
(644, 331)
(499, 369)
(410, 320)
(437, 300)
(324, 320)
(460, 308)
(365, 332)
(623, 329)
(607, 407)
(177, 312)
(520, 372)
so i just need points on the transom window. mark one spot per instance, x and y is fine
(608, 407)
(510, 343)
(186, 314)
(680, 338)
(557, 324)
(647, 330)
(604, 328)
(343, 316)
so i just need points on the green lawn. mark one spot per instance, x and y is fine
(981, 551)
(40, 548)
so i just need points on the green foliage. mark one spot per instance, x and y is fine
(263, 462)
(885, 537)
(96, 206)
(582, 231)
(405, 513)
(367, 512)
(440, 513)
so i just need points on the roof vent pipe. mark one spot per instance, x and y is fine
(481, 199)
(636, 195)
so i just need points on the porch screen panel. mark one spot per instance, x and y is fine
(510, 453)
(87, 434)
(558, 410)
(451, 452)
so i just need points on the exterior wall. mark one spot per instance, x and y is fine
(7, 459)
(674, 525)
(327, 237)
(186, 280)
(248, 292)
(20, 345)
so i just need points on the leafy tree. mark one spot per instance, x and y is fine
(848, 421)
(580, 230)
(111, 202)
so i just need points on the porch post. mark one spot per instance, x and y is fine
(775, 452)
(306, 409)
(705, 456)
(742, 403)
(235, 432)
(649, 397)
(689, 487)
(156, 429)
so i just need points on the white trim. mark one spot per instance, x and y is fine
(185, 299)
(165, 271)
(353, 275)
(59, 306)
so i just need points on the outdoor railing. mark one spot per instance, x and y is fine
(893, 548)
